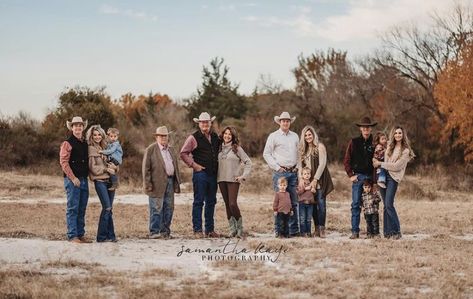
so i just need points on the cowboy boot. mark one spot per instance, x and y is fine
(322, 231)
(233, 226)
(239, 227)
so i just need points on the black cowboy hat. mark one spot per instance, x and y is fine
(366, 122)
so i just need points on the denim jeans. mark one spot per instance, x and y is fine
(320, 209)
(283, 224)
(106, 230)
(205, 191)
(305, 217)
(356, 190)
(77, 198)
(381, 173)
(391, 225)
(161, 211)
(291, 188)
(114, 179)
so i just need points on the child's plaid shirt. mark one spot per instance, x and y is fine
(370, 202)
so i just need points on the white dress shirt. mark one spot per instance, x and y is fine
(281, 149)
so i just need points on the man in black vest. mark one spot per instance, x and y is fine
(74, 160)
(200, 151)
(358, 165)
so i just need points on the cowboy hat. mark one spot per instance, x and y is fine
(204, 116)
(75, 120)
(163, 131)
(284, 115)
(366, 122)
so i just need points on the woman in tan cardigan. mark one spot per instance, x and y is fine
(313, 155)
(99, 173)
(398, 154)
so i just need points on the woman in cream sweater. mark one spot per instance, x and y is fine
(230, 175)
(398, 154)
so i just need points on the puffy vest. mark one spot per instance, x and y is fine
(206, 153)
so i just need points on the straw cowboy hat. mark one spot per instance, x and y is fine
(204, 116)
(162, 131)
(75, 120)
(284, 115)
(366, 122)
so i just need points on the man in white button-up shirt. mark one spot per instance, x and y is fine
(280, 152)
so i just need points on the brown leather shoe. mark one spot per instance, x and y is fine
(355, 236)
(75, 240)
(84, 240)
(212, 235)
(322, 232)
(198, 235)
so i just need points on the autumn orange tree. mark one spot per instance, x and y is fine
(454, 95)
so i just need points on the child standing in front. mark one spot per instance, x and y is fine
(380, 143)
(306, 202)
(282, 208)
(114, 154)
(370, 201)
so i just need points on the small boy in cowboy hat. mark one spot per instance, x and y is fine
(359, 167)
(114, 153)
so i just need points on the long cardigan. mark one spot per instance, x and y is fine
(325, 180)
(154, 172)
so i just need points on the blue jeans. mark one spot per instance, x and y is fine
(77, 198)
(391, 225)
(283, 224)
(106, 230)
(291, 188)
(205, 191)
(305, 217)
(160, 212)
(381, 173)
(320, 210)
(356, 190)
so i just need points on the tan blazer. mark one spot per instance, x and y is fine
(154, 173)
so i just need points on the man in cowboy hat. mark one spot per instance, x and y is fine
(200, 151)
(74, 161)
(359, 167)
(160, 180)
(280, 152)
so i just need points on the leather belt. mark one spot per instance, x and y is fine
(289, 169)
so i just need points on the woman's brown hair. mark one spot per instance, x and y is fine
(235, 139)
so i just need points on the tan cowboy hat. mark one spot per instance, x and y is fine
(163, 131)
(75, 120)
(204, 116)
(366, 122)
(284, 115)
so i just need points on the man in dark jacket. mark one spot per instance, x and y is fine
(200, 151)
(359, 167)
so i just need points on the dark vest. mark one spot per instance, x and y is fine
(206, 153)
(79, 160)
(362, 155)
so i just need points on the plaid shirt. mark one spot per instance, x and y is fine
(370, 202)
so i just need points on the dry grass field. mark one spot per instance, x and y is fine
(434, 259)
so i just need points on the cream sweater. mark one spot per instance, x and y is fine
(396, 164)
(230, 164)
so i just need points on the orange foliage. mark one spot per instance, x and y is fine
(454, 94)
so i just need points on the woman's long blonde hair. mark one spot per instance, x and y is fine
(405, 143)
(90, 135)
(303, 147)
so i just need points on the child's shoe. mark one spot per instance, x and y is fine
(382, 185)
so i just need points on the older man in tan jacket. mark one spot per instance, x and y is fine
(160, 180)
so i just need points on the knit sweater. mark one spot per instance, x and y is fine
(282, 202)
(397, 163)
(230, 164)
(97, 165)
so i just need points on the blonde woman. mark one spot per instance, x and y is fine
(398, 154)
(313, 155)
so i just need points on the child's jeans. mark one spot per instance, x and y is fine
(372, 224)
(381, 175)
(283, 220)
(113, 177)
(305, 217)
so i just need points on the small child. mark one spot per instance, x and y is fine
(114, 154)
(370, 201)
(282, 208)
(380, 142)
(306, 203)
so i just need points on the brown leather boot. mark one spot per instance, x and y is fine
(322, 231)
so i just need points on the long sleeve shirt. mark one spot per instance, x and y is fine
(64, 157)
(167, 159)
(114, 149)
(186, 151)
(282, 202)
(230, 164)
(281, 149)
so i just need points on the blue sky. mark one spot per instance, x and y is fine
(161, 46)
